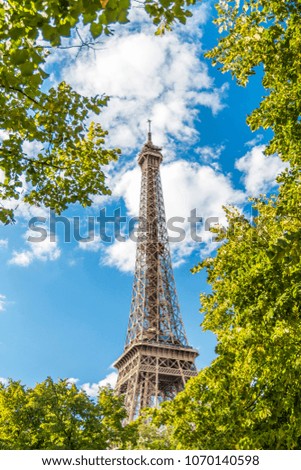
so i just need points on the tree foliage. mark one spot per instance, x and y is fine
(57, 415)
(266, 34)
(249, 397)
(67, 165)
(147, 436)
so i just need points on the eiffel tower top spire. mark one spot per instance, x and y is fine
(149, 130)
(157, 359)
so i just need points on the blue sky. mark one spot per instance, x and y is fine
(64, 307)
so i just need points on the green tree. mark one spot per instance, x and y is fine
(266, 34)
(68, 165)
(57, 415)
(250, 396)
(14, 420)
(148, 436)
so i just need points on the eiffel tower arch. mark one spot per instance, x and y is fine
(157, 360)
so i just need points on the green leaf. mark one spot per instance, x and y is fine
(19, 56)
(27, 69)
(96, 29)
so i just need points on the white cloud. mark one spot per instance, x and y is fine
(92, 389)
(193, 27)
(46, 250)
(20, 208)
(120, 255)
(251, 143)
(4, 381)
(207, 154)
(72, 380)
(259, 170)
(213, 99)
(186, 186)
(31, 149)
(26, 211)
(149, 77)
(2, 302)
(72, 262)
(94, 244)
(3, 135)
(3, 243)
(127, 186)
(21, 258)
(43, 251)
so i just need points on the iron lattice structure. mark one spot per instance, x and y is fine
(157, 360)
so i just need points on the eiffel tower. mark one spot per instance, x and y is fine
(157, 360)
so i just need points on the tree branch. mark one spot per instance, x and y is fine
(19, 90)
(42, 162)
